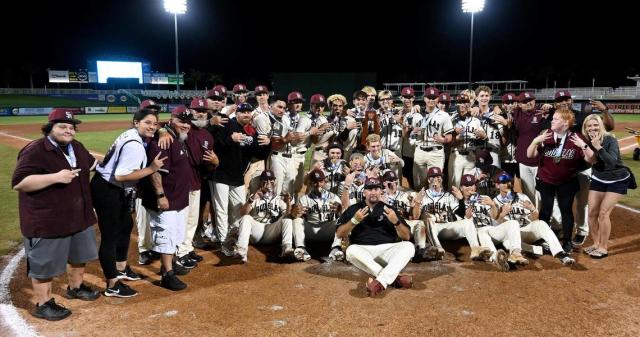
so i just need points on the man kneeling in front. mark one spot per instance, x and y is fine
(379, 240)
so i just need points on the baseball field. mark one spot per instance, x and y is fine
(268, 297)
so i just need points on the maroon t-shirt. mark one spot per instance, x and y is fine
(59, 209)
(529, 125)
(198, 141)
(568, 164)
(176, 167)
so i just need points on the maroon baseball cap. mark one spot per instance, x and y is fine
(316, 175)
(372, 182)
(261, 89)
(525, 97)
(149, 104)
(294, 96)
(431, 93)
(318, 99)
(390, 176)
(198, 103)
(562, 95)
(239, 88)
(509, 98)
(483, 159)
(467, 180)
(444, 97)
(463, 98)
(215, 93)
(434, 171)
(267, 175)
(62, 115)
(182, 113)
(407, 92)
(221, 88)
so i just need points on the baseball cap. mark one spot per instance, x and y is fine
(239, 88)
(215, 93)
(245, 107)
(463, 98)
(407, 92)
(149, 104)
(260, 90)
(467, 180)
(335, 145)
(267, 175)
(62, 115)
(198, 103)
(525, 97)
(294, 96)
(561, 95)
(444, 97)
(182, 113)
(509, 98)
(316, 175)
(359, 93)
(434, 172)
(372, 182)
(318, 99)
(483, 159)
(221, 88)
(390, 176)
(503, 177)
(431, 93)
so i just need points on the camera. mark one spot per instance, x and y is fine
(130, 195)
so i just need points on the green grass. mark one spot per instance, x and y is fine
(632, 199)
(10, 235)
(39, 120)
(97, 141)
(626, 117)
(35, 101)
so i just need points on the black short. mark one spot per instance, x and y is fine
(619, 187)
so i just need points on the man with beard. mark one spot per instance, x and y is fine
(383, 159)
(263, 219)
(378, 236)
(437, 210)
(334, 168)
(236, 143)
(314, 219)
(429, 138)
(166, 196)
(467, 132)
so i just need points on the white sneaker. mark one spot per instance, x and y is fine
(336, 254)
(301, 254)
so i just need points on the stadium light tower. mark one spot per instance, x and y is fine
(176, 7)
(471, 6)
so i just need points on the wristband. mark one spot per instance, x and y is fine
(354, 221)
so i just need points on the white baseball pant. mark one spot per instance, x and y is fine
(460, 164)
(455, 230)
(422, 161)
(227, 201)
(167, 230)
(144, 232)
(191, 219)
(495, 156)
(384, 262)
(284, 169)
(252, 231)
(508, 231)
(528, 180)
(298, 162)
(535, 231)
(305, 231)
(419, 233)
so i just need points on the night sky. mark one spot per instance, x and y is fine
(402, 41)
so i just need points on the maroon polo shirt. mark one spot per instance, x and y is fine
(59, 209)
(529, 125)
(571, 161)
(174, 172)
(197, 141)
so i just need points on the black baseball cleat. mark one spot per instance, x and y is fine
(83, 292)
(128, 274)
(195, 257)
(172, 282)
(51, 311)
(579, 240)
(120, 290)
(145, 257)
(567, 246)
(186, 262)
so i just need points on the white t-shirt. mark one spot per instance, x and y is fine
(131, 157)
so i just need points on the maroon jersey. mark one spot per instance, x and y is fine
(558, 166)
(198, 141)
(529, 125)
(176, 167)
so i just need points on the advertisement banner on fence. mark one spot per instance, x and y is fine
(132, 109)
(116, 109)
(5, 111)
(96, 110)
(58, 76)
(31, 111)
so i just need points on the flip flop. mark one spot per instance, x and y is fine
(589, 250)
(598, 254)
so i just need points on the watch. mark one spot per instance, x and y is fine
(585, 146)
(160, 195)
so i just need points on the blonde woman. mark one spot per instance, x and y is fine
(608, 184)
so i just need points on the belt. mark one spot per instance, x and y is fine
(319, 148)
(286, 155)
(430, 148)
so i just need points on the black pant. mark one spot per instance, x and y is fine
(407, 171)
(115, 224)
(565, 193)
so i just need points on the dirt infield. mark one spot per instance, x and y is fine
(454, 297)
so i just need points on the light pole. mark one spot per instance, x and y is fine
(176, 7)
(471, 6)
